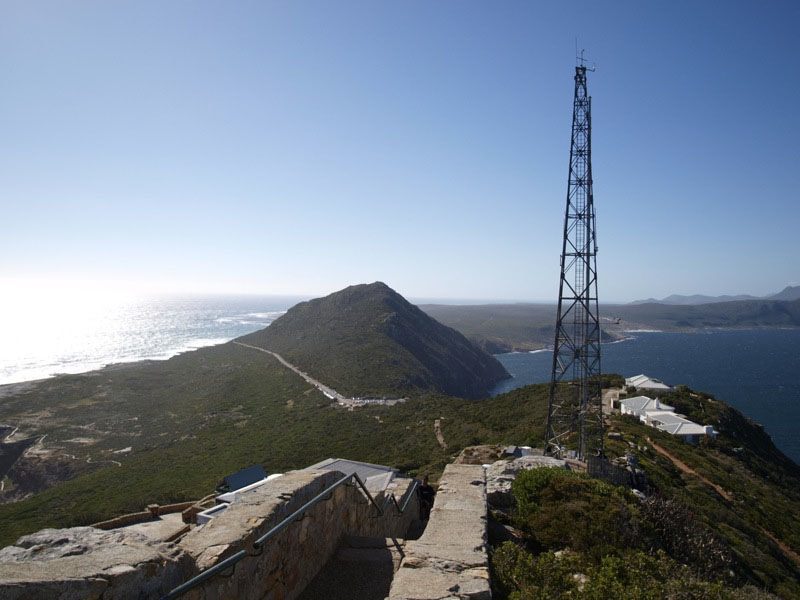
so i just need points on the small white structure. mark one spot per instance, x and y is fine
(643, 382)
(223, 501)
(675, 424)
(639, 405)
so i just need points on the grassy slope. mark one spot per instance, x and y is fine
(205, 414)
(744, 313)
(368, 340)
(763, 483)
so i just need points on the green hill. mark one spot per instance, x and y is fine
(720, 519)
(741, 313)
(368, 340)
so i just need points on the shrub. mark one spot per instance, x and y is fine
(562, 509)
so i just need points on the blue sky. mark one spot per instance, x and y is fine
(298, 147)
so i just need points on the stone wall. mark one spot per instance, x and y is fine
(102, 567)
(84, 562)
(292, 558)
(450, 560)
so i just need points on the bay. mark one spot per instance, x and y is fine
(757, 371)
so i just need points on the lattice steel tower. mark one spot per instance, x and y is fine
(574, 415)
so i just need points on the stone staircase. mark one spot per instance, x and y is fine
(445, 558)
(362, 567)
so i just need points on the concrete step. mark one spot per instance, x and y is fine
(361, 568)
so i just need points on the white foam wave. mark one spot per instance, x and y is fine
(255, 318)
(274, 314)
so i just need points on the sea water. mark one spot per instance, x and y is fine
(49, 335)
(757, 371)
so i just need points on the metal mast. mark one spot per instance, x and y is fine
(574, 415)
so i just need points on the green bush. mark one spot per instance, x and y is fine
(561, 509)
(633, 575)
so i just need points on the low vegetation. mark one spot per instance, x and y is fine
(584, 537)
(367, 340)
(719, 517)
(720, 520)
(205, 414)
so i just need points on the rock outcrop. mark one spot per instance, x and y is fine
(501, 474)
(84, 562)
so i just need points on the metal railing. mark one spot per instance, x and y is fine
(258, 545)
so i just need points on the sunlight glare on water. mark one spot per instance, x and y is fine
(74, 329)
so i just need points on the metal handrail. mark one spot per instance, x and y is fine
(232, 560)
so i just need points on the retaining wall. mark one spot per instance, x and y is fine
(450, 559)
(37, 568)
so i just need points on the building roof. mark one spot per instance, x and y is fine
(675, 424)
(639, 404)
(643, 381)
(243, 478)
(375, 477)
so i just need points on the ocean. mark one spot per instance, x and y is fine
(46, 336)
(757, 371)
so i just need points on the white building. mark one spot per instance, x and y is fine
(672, 423)
(643, 382)
(638, 405)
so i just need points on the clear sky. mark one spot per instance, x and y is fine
(298, 147)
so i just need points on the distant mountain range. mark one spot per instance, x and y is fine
(523, 327)
(368, 340)
(788, 293)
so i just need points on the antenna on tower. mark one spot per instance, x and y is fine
(581, 60)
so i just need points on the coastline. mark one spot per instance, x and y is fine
(752, 369)
(15, 387)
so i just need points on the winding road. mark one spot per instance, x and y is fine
(329, 392)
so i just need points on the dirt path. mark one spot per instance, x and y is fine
(437, 430)
(690, 471)
(791, 554)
